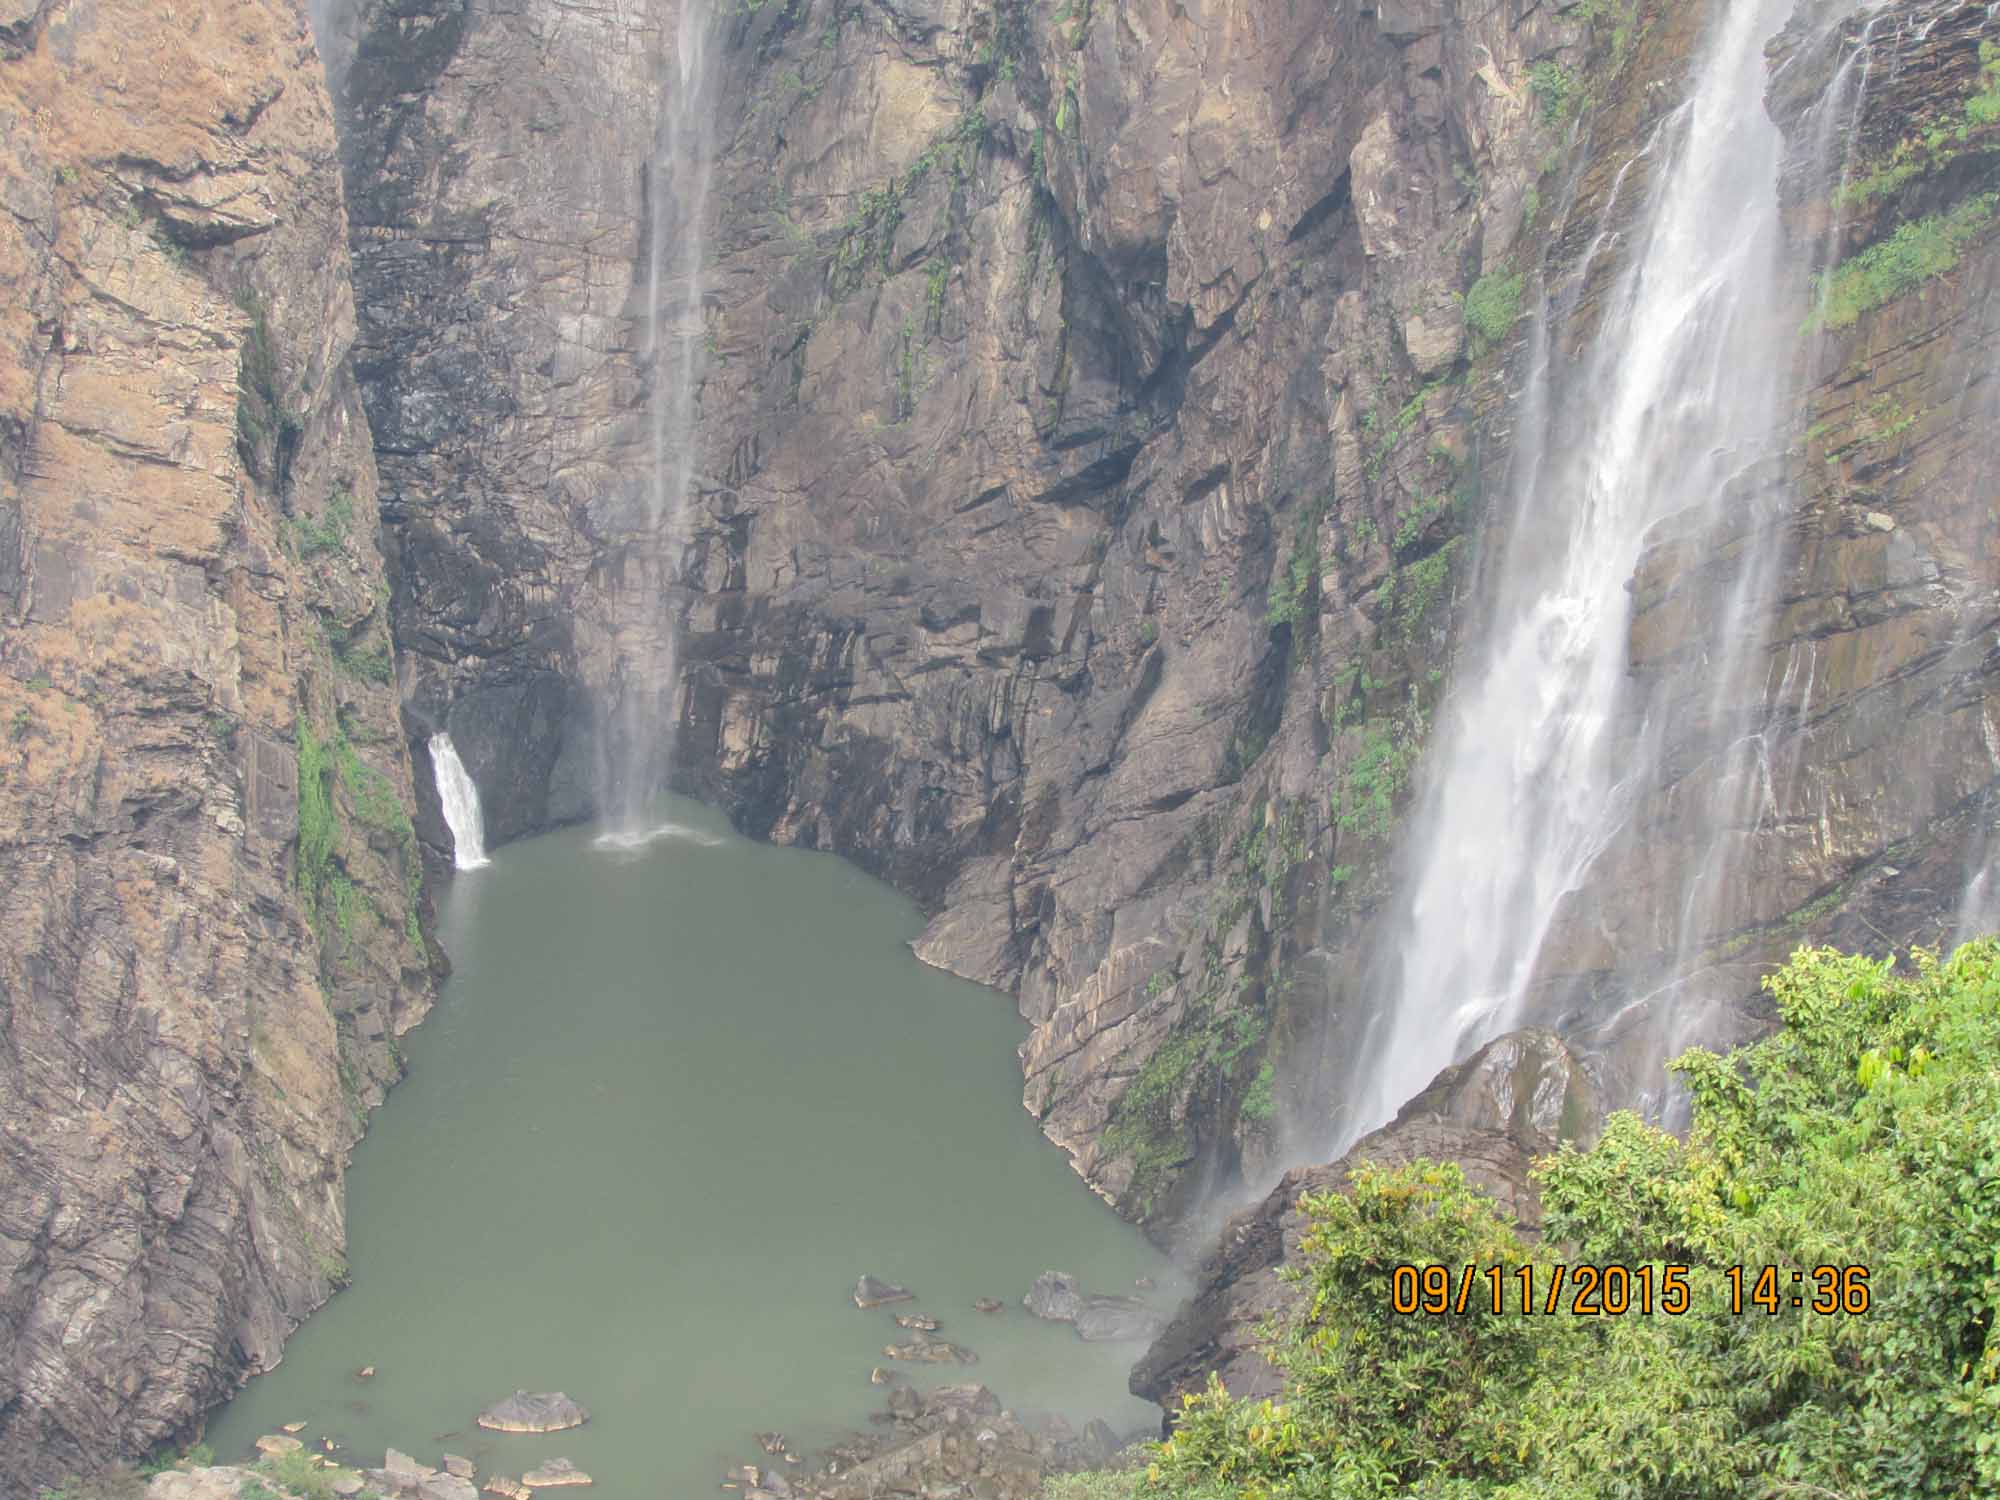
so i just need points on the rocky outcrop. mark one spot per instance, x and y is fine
(206, 876)
(1517, 1098)
(951, 1438)
(548, 1411)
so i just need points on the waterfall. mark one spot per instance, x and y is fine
(1550, 740)
(676, 338)
(460, 798)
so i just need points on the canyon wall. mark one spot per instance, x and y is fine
(208, 877)
(1105, 419)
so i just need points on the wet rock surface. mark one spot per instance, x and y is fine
(1492, 1115)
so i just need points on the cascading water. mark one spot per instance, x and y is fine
(460, 798)
(1550, 739)
(676, 344)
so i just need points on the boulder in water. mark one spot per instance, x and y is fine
(557, 1471)
(1105, 1320)
(508, 1489)
(922, 1322)
(293, 1427)
(904, 1402)
(462, 1467)
(1056, 1295)
(546, 1411)
(275, 1445)
(879, 1376)
(931, 1352)
(871, 1291)
(987, 1304)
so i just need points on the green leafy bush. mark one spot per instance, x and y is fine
(1863, 1133)
(1919, 251)
(1492, 306)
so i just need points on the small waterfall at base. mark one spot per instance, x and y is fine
(648, 687)
(1550, 738)
(460, 797)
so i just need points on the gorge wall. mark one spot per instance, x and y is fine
(1105, 423)
(208, 878)
(1103, 420)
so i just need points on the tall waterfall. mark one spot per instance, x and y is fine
(461, 804)
(676, 345)
(1549, 739)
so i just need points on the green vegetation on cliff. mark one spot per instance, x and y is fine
(1917, 252)
(1864, 1133)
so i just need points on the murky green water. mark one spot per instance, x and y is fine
(672, 1103)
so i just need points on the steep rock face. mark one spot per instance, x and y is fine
(1084, 436)
(189, 589)
(1092, 438)
(497, 162)
(1515, 1099)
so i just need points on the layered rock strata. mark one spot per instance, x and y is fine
(199, 989)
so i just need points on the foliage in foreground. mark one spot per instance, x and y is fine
(1865, 1132)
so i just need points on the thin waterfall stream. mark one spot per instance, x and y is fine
(676, 347)
(1550, 739)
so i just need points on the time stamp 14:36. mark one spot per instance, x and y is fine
(1614, 1290)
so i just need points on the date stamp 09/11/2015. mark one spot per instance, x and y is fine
(1611, 1291)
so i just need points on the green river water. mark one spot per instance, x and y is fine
(672, 1103)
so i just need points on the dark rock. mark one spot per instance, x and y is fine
(1110, 1319)
(1493, 1114)
(1055, 1296)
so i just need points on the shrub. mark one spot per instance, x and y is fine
(1919, 251)
(1492, 306)
(1863, 1133)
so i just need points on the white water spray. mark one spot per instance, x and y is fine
(676, 345)
(460, 798)
(1549, 740)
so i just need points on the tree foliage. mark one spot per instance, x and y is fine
(1865, 1132)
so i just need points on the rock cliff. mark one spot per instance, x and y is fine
(207, 875)
(1099, 416)
(1101, 421)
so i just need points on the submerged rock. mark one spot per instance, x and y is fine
(557, 1473)
(871, 1291)
(1105, 1320)
(922, 1322)
(987, 1304)
(1056, 1295)
(931, 1352)
(546, 1411)
(771, 1442)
